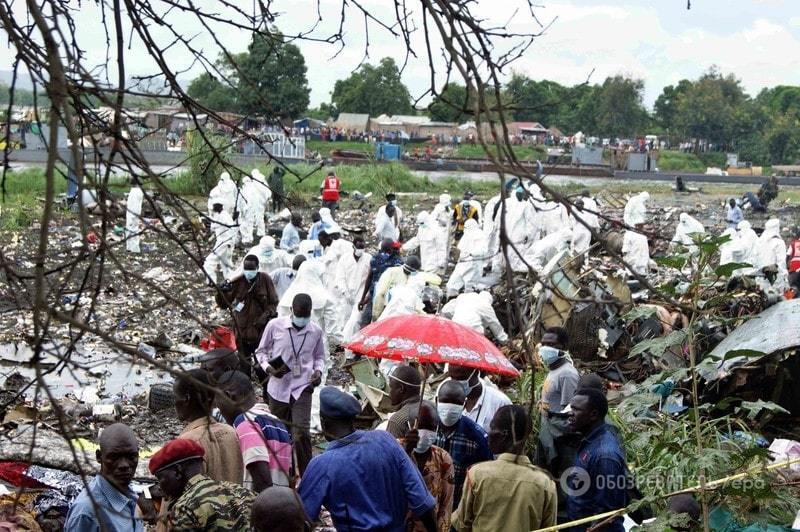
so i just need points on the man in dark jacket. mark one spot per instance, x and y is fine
(252, 300)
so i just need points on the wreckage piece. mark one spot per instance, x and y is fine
(759, 359)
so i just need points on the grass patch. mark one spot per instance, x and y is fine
(325, 147)
(689, 162)
(529, 153)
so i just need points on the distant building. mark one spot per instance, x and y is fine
(352, 121)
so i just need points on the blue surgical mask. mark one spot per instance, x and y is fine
(549, 354)
(268, 254)
(300, 322)
(393, 202)
(465, 383)
(358, 252)
(449, 413)
(250, 274)
(426, 440)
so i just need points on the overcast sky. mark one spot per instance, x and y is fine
(656, 40)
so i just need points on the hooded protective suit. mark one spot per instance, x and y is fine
(349, 281)
(474, 310)
(582, 232)
(636, 251)
(523, 229)
(771, 251)
(429, 237)
(269, 258)
(541, 251)
(553, 217)
(443, 211)
(221, 256)
(226, 192)
(260, 201)
(404, 299)
(326, 218)
(331, 256)
(133, 213)
(687, 226)
(473, 248)
(251, 206)
(727, 250)
(636, 209)
(746, 248)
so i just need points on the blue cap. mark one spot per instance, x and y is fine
(336, 404)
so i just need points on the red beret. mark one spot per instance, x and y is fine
(397, 244)
(175, 451)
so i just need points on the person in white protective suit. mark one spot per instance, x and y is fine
(269, 258)
(522, 228)
(771, 253)
(266, 195)
(221, 255)
(387, 226)
(249, 204)
(540, 252)
(351, 275)
(747, 240)
(404, 299)
(133, 215)
(225, 191)
(428, 240)
(636, 210)
(687, 226)
(553, 217)
(727, 251)
(323, 313)
(473, 249)
(636, 251)
(585, 211)
(332, 252)
(474, 310)
(443, 210)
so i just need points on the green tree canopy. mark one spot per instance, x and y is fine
(374, 90)
(272, 78)
(707, 109)
(451, 105)
(619, 109)
(212, 93)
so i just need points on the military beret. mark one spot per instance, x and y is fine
(336, 404)
(178, 450)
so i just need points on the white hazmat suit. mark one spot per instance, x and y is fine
(221, 255)
(474, 310)
(432, 254)
(747, 240)
(636, 210)
(771, 251)
(636, 252)
(687, 226)
(351, 276)
(133, 214)
(473, 248)
(225, 192)
(269, 258)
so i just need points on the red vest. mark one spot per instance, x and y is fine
(794, 254)
(330, 188)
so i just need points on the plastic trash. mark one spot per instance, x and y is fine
(146, 349)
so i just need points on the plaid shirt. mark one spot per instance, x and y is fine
(468, 444)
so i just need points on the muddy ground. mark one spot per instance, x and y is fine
(163, 291)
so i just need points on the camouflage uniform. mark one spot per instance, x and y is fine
(212, 506)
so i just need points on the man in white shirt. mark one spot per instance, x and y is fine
(483, 398)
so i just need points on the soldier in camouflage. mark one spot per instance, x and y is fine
(200, 502)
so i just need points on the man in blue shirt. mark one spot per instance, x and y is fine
(598, 482)
(111, 506)
(464, 440)
(364, 479)
(386, 258)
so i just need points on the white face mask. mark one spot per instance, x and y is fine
(465, 383)
(426, 440)
(358, 252)
(449, 413)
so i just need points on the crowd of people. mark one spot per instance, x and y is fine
(246, 458)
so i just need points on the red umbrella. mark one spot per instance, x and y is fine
(430, 339)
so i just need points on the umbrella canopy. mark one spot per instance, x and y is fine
(430, 339)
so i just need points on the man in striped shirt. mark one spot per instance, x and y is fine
(265, 442)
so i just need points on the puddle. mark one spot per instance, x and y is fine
(92, 373)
